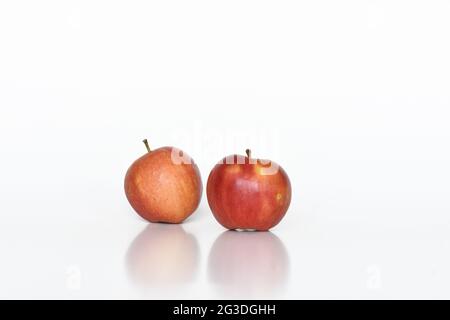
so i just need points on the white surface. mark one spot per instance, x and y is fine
(350, 97)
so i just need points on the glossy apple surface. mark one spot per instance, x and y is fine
(164, 185)
(246, 193)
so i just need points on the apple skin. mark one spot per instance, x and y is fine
(245, 193)
(163, 190)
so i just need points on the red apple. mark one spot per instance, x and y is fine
(164, 185)
(246, 193)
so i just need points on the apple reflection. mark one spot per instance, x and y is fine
(248, 264)
(163, 255)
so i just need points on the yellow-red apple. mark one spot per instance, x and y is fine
(164, 185)
(246, 193)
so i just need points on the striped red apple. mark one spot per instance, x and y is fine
(164, 185)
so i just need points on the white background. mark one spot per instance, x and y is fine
(351, 97)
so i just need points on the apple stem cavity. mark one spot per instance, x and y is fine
(249, 153)
(146, 145)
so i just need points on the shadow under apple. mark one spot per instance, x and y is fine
(248, 264)
(163, 255)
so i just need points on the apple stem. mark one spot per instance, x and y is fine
(249, 153)
(146, 145)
